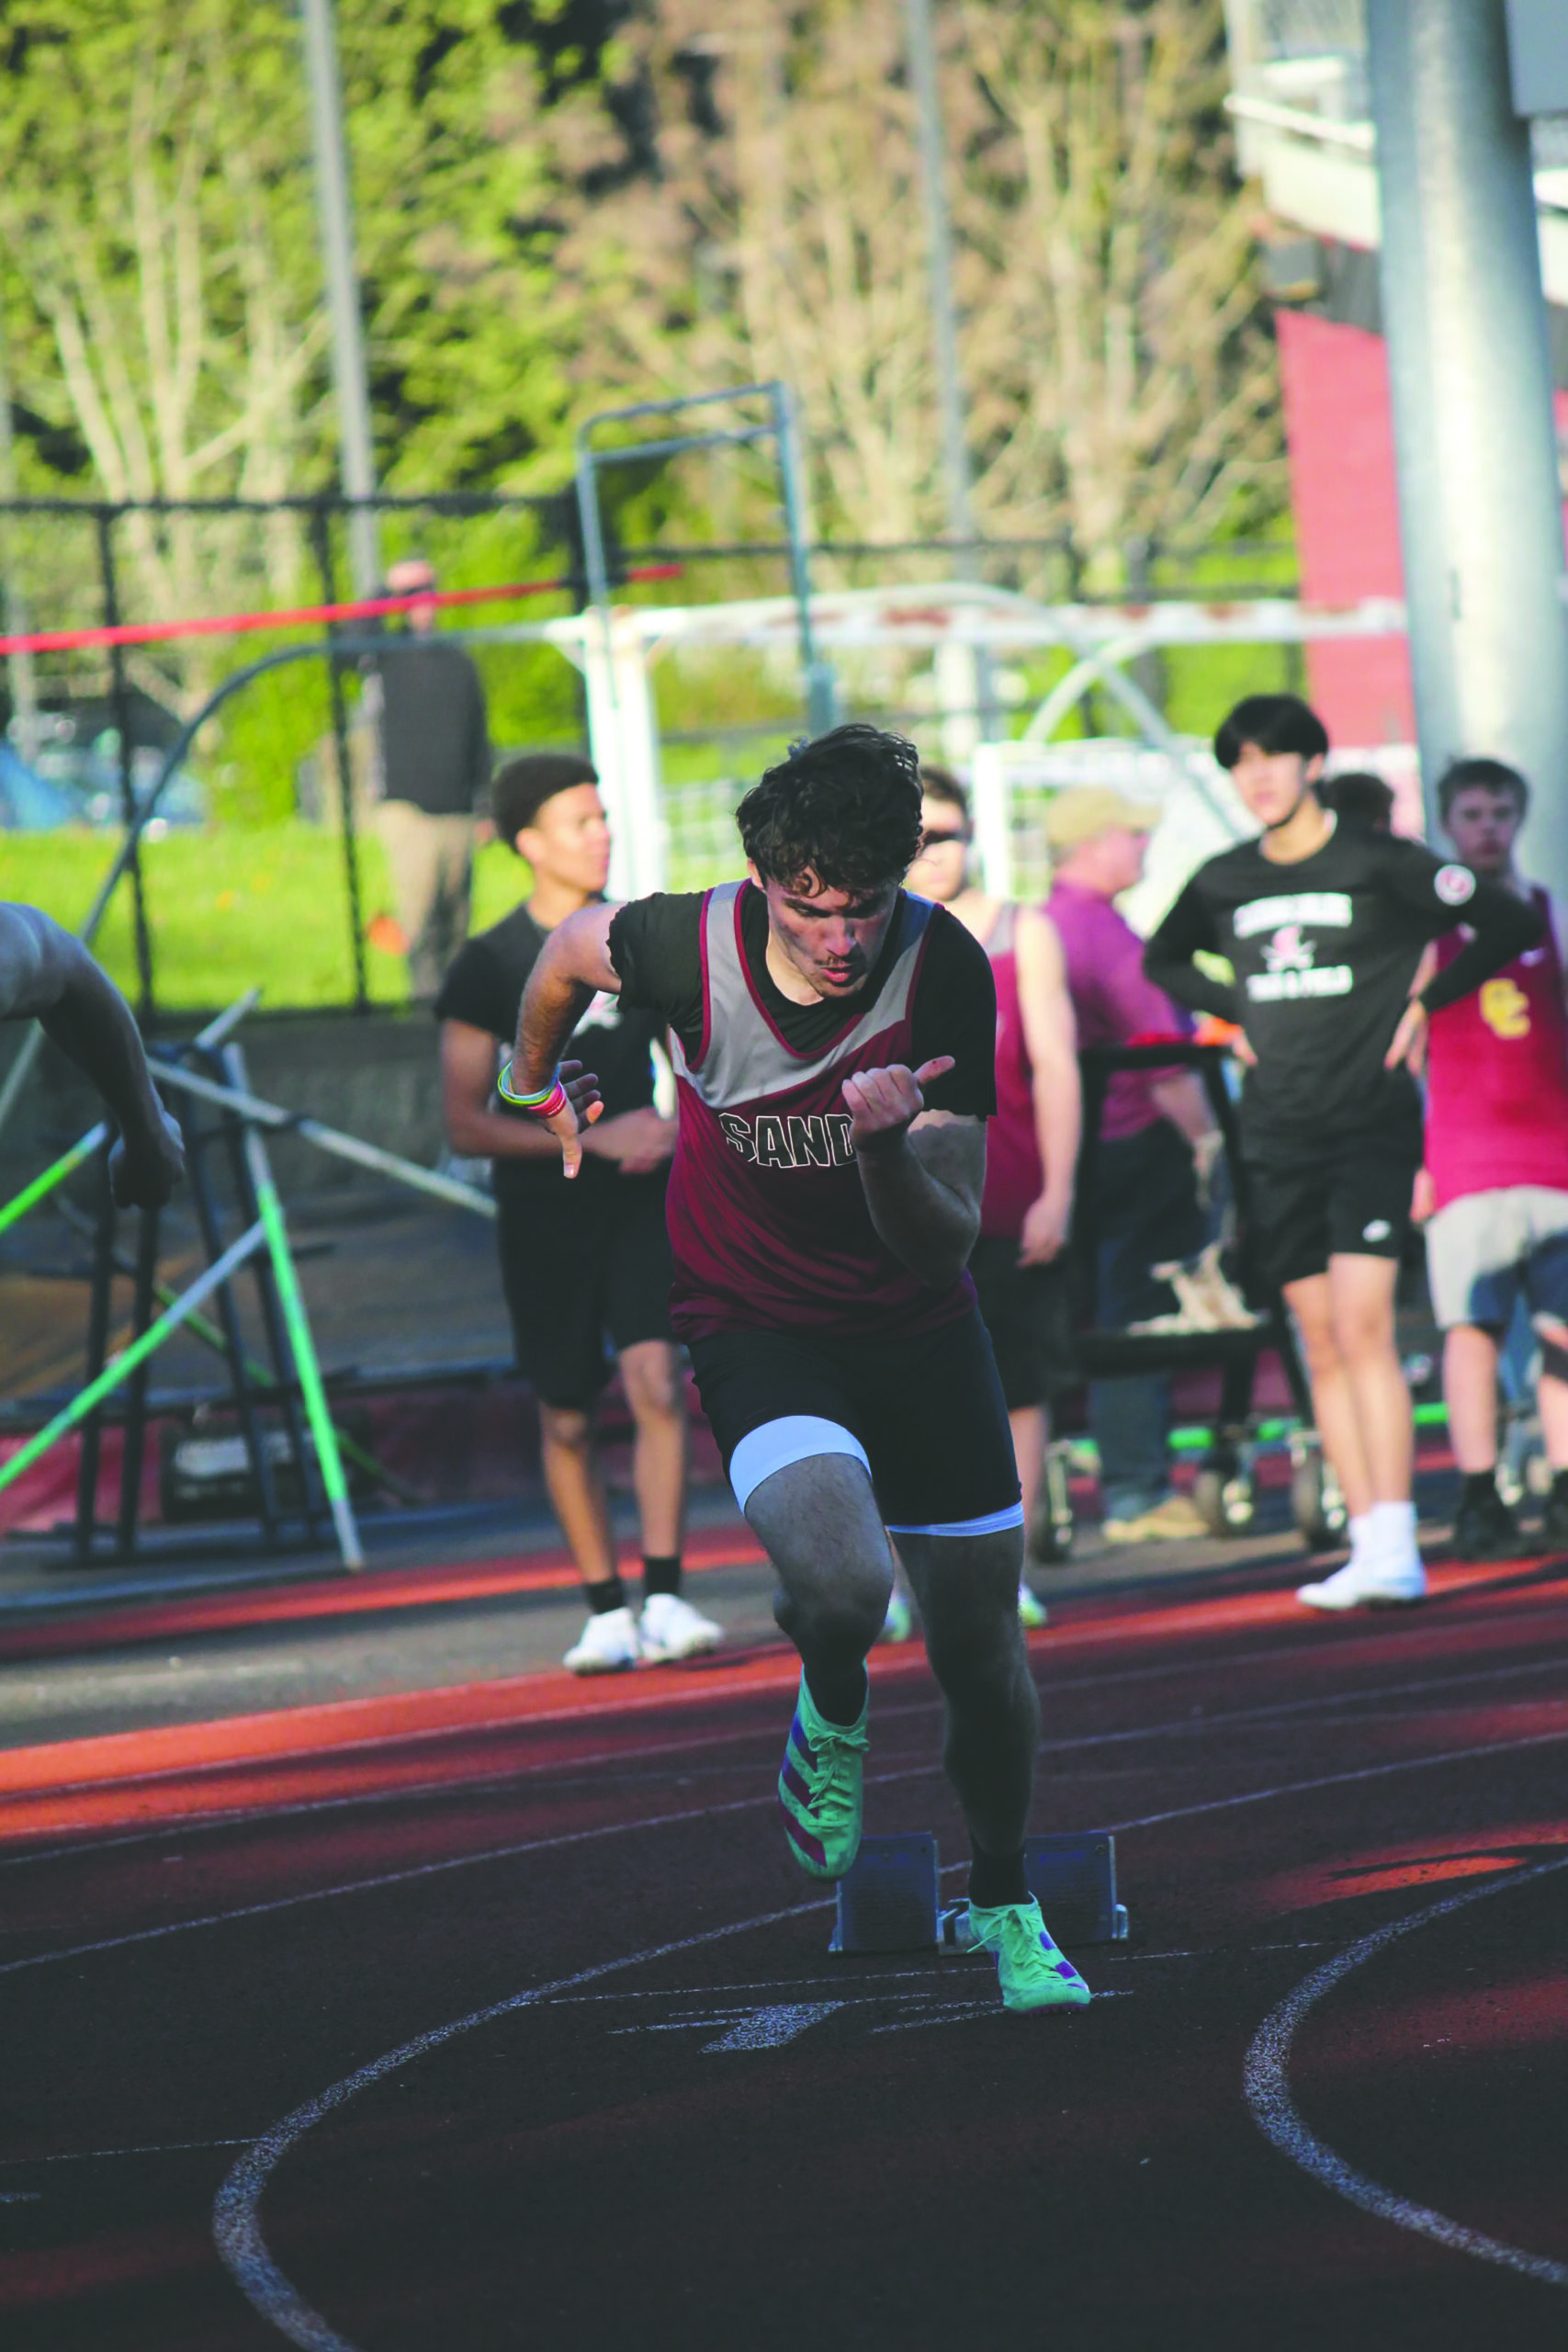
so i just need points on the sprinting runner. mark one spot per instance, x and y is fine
(1032, 1144)
(1497, 1171)
(1325, 926)
(588, 1262)
(834, 1044)
(47, 977)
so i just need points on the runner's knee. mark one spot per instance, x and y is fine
(566, 1426)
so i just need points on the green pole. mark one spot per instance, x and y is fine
(299, 1327)
(126, 1362)
(42, 1187)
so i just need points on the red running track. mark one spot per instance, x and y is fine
(500, 2016)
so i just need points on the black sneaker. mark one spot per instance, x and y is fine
(1554, 1524)
(1485, 1529)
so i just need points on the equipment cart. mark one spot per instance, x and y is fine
(1225, 1490)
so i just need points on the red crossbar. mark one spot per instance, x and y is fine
(69, 640)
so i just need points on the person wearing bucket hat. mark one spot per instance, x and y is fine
(1155, 1134)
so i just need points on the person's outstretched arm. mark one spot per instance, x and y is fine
(47, 977)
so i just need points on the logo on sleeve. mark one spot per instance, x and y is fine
(1454, 884)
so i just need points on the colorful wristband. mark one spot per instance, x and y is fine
(542, 1105)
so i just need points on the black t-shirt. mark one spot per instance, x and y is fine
(484, 987)
(1324, 950)
(655, 946)
(434, 741)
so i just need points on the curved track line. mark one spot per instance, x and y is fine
(741, 1804)
(236, 2220)
(1266, 2079)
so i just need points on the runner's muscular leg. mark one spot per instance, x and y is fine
(1333, 1401)
(968, 1588)
(652, 1382)
(1361, 1295)
(1470, 1392)
(818, 1523)
(575, 1488)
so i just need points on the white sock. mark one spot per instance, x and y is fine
(1360, 1532)
(1391, 1531)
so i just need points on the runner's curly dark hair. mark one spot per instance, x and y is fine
(845, 807)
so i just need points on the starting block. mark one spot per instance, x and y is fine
(890, 1902)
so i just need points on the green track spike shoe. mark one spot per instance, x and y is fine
(819, 1788)
(1032, 1972)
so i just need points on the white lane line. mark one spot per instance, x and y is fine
(1341, 1780)
(1266, 2079)
(742, 1804)
(236, 2222)
(771, 2028)
(1308, 1653)
(195, 1825)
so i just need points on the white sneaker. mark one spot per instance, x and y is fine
(672, 1629)
(1384, 1584)
(609, 1645)
(899, 1622)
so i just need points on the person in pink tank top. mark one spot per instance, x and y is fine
(1018, 1263)
(1495, 1180)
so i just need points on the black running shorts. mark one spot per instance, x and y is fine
(586, 1273)
(928, 1411)
(1333, 1196)
(1028, 1310)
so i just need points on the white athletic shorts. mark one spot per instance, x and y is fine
(1486, 1249)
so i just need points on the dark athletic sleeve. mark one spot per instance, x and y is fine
(1441, 893)
(655, 946)
(1188, 931)
(955, 1013)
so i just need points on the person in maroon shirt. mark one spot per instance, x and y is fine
(1494, 1182)
(1158, 1138)
(1018, 1262)
(833, 1040)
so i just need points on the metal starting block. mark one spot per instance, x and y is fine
(888, 1900)
(1074, 1881)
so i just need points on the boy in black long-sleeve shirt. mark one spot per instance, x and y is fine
(1324, 925)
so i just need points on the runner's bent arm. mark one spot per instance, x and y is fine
(1050, 1035)
(573, 966)
(1500, 924)
(49, 976)
(1188, 931)
(923, 1172)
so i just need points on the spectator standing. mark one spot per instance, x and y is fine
(1018, 1263)
(1360, 797)
(584, 1260)
(1325, 927)
(1156, 1138)
(434, 772)
(1497, 1170)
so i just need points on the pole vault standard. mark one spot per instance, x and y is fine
(268, 1233)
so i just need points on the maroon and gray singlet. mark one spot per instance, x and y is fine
(768, 1221)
